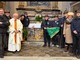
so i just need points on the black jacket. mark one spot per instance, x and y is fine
(26, 21)
(4, 25)
(62, 20)
(8, 18)
(45, 23)
(75, 25)
(55, 23)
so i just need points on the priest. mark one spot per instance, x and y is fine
(15, 33)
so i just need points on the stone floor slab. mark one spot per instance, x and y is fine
(37, 58)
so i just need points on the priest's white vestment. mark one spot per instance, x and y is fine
(14, 42)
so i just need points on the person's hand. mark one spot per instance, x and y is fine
(61, 25)
(64, 35)
(17, 31)
(45, 28)
(75, 32)
(0, 22)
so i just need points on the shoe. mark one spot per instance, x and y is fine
(53, 45)
(6, 49)
(1, 56)
(66, 49)
(70, 49)
(57, 46)
(49, 46)
(44, 45)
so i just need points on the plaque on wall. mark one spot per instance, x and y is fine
(39, 3)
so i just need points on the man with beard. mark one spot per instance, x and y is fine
(3, 29)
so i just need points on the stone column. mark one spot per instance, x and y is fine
(13, 6)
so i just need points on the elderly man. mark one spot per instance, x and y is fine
(3, 29)
(75, 26)
(15, 35)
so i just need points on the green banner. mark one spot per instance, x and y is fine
(53, 31)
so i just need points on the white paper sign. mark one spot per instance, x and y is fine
(35, 25)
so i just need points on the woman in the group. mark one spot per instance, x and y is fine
(22, 19)
(67, 32)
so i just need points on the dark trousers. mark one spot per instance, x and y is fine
(25, 31)
(62, 38)
(55, 39)
(3, 44)
(46, 38)
(7, 38)
(76, 44)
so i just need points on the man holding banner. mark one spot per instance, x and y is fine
(46, 24)
(54, 31)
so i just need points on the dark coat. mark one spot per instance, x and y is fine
(55, 23)
(3, 31)
(4, 25)
(8, 18)
(26, 21)
(62, 20)
(45, 24)
(75, 25)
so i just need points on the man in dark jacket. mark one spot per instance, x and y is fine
(3, 29)
(26, 19)
(61, 21)
(45, 24)
(56, 38)
(75, 26)
(7, 17)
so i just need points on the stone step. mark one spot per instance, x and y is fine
(37, 58)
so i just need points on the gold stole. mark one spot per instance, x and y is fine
(15, 26)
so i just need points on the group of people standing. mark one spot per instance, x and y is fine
(11, 29)
(68, 36)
